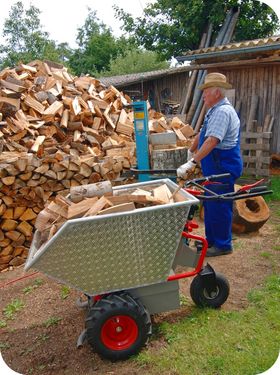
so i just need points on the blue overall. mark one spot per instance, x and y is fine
(218, 215)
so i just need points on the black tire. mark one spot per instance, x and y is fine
(201, 297)
(118, 326)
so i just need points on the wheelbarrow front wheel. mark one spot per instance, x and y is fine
(118, 326)
(214, 298)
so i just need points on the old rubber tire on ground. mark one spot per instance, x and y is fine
(117, 326)
(201, 297)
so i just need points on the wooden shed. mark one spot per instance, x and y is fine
(162, 88)
(253, 69)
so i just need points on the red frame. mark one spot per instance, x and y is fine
(190, 225)
(200, 261)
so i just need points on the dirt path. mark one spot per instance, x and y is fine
(41, 339)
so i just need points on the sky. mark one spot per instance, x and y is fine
(62, 18)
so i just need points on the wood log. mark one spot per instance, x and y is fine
(249, 214)
(79, 209)
(118, 208)
(163, 193)
(91, 190)
(98, 206)
(168, 159)
(141, 199)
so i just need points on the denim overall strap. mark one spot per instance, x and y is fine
(220, 161)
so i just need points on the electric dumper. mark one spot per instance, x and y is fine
(126, 263)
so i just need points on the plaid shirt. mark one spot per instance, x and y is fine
(222, 122)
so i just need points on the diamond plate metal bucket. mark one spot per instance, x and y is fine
(118, 251)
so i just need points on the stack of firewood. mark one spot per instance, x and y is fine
(99, 199)
(57, 131)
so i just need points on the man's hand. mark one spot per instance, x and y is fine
(183, 170)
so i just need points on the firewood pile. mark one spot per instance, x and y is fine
(57, 132)
(98, 199)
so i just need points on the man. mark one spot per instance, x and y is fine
(217, 148)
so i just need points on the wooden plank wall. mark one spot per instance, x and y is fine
(265, 83)
(247, 82)
(177, 83)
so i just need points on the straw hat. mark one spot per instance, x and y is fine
(215, 80)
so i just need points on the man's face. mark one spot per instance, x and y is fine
(211, 96)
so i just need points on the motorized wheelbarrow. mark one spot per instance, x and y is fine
(125, 264)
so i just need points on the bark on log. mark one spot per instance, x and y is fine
(77, 193)
(249, 215)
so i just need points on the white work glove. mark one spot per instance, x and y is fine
(190, 155)
(185, 168)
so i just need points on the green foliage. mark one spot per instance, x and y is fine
(13, 307)
(25, 41)
(171, 27)
(97, 47)
(135, 61)
(43, 337)
(3, 324)
(275, 187)
(64, 292)
(52, 321)
(36, 284)
(4, 346)
(27, 289)
(91, 26)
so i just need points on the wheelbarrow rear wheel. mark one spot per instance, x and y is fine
(203, 298)
(118, 326)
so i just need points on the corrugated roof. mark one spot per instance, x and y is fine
(129, 79)
(238, 48)
(263, 44)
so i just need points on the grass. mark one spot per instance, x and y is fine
(275, 187)
(36, 284)
(273, 184)
(3, 323)
(4, 346)
(64, 292)
(52, 321)
(211, 342)
(12, 308)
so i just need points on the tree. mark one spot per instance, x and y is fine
(171, 27)
(24, 38)
(135, 61)
(97, 47)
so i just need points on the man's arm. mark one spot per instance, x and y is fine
(208, 145)
(194, 146)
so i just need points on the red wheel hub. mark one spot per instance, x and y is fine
(119, 332)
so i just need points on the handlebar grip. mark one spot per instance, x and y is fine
(213, 177)
(258, 189)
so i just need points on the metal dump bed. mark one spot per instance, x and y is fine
(101, 254)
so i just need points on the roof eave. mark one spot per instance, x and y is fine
(235, 51)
